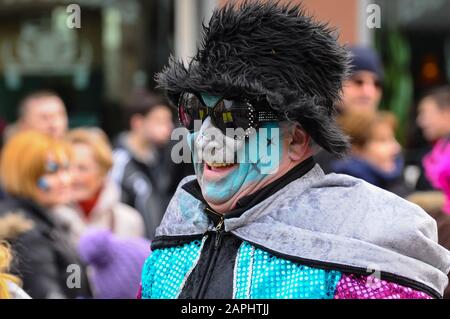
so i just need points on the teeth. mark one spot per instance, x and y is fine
(220, 164)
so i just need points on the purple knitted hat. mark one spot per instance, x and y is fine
(116, 263)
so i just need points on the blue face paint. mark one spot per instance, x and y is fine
(43, 184)
(51, 167)
(210, 100)
(250, 170)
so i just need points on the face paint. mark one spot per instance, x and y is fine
(210, 100)
(256, 158)
(51, 167)
(43, 184)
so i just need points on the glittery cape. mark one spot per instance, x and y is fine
(332, 220)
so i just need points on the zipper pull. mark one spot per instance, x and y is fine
(219, 225)
(219, 230)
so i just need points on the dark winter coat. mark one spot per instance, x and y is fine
(43, 254)
(357, 167)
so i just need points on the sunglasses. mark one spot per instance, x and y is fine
(227, 115)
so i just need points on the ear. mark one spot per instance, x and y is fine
(299, 145)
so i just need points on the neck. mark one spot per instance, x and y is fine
(88, 204)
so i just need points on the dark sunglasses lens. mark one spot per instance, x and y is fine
(190, 110)
(184, 112)
(231, 117)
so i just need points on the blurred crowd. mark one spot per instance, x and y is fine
(72, 200)
(75, 197)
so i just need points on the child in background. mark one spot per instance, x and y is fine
(375, 154)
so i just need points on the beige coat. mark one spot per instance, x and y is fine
(108, 213)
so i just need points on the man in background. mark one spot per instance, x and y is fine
(142, 164)
(361, 91)
(43, 111)
(434, 114)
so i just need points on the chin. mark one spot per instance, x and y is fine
(78, 197)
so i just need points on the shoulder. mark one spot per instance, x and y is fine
(348, 206)
(355, 196)
(13, 224)
(184, 214)
(121, 155)
(121, 160)
(126, 211)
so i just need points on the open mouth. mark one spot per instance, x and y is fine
(217, 170)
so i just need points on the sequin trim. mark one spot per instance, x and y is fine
(166, 270)
(369, 287)
(260, 275)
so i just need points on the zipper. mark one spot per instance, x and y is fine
(213, 253)
(218, 229)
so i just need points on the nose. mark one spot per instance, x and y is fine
(210, 143)
(369, 88)
(208, 133)
(64, 177)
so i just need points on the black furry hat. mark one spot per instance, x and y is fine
(273, 51)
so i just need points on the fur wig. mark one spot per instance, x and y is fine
(271, 51)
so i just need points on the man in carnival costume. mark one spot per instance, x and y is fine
(265, 221)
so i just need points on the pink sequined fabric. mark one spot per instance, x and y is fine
(369, 287)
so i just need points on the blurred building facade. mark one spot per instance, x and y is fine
(121, 44)
(118, 46)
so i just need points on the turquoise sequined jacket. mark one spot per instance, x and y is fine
(313, 236)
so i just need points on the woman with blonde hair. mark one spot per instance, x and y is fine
(96, 198)
(35, 175)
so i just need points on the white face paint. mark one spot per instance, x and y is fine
(214, 147)
(226, 166)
